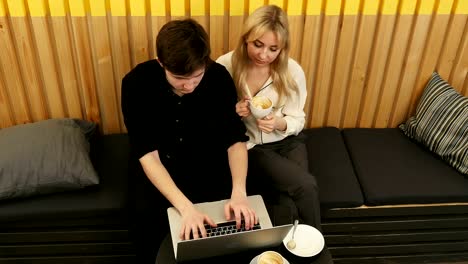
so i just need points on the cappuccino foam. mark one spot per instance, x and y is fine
(270, 257)
(261, 102)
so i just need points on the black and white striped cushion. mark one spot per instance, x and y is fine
(441, 123)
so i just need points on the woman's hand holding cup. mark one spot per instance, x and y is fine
(267, 124)
(242, 107)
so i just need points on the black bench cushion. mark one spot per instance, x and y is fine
(393, 169)
(330, 163)
(110, 155)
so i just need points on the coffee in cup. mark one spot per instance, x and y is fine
(270, 257)
(260, 106)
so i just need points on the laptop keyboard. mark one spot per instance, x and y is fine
(226, 228)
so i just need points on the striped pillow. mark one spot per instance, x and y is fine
(441, 123)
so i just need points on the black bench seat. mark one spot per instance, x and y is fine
(415, 206)
(83, 226)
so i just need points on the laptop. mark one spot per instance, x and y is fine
(233, 241)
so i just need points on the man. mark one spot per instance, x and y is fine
(179, 111)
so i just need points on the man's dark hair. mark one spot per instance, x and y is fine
(183, 46)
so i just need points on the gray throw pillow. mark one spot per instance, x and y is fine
(441, 123)
(45, 157)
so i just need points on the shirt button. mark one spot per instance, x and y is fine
(177, 120)
(168, 156)
(180, 139)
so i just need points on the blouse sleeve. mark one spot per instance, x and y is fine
(293, 109)
(225, 60)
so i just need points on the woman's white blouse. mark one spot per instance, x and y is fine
(291, 109)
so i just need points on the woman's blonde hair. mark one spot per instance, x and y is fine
(264, 19)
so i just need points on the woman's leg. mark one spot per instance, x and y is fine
(287, 176)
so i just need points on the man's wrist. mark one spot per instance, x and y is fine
(238, 192)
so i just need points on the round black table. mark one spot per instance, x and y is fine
(166, 256)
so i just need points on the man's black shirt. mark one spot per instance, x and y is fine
(191, 132)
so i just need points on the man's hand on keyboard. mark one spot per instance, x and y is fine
(241, 208)
(193, 223)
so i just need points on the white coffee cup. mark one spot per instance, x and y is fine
(270, 257)
(260, 106)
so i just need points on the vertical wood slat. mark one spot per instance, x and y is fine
(66, 67)
(47, 67)
(84, 68)
(308, 61)
(343, 67)
(9, 67)
(359, 71)
(373, 103)
(27, 59)
(218, 28)
(325, 70)
(236, 19)
(104, 76)
(5, 108)
(139, 42)
(119, 41)
(366, 61)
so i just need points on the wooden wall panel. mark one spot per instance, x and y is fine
(343, 67)
(47, 67)
(84, 68)
(5, 108)
(359, 71)
(66, 70)
(325, 70)
(219, 28)
(366, 62)
(10, 69)
(311, 49)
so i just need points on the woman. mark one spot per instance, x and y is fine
(260, 65)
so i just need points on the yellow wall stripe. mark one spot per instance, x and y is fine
(2, 9)
(216, 8)
(371, 7)
(390, 7)
(37, 8)
(118, 7)
(236, 8)
(445, 7)
(462, 7)
(98, 7)
(57, 8)
(177, 8)
(351, 7)
(314, 8)
(137, 7)
(16, 8)
(426, 7)
(77, 8)
(40, 8)
(158, 7)
(254, 4)
(279, 3)
(294, 8)
(197, 7)
(332, 7)
(408, 7)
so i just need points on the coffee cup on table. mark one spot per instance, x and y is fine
(270, 257)
(260, 106)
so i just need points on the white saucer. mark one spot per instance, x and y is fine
(309, 241)
(254, 260)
